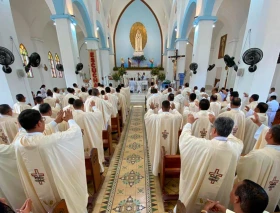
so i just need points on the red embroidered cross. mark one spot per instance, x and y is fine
(273, 183)
(214, 176)
(39, 177)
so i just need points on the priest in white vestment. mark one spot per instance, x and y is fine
(20, 105)
(251, 127)
(132, 84)
(179, 98)
(76, 89)
(51, 167)
(50, 100)
(263, 165)
(155, 98)
(273, 107)
(202, 126)
(251, 102)
(203, 94)
(186, 91)
(193, 104)
(113, 100)
(70, 94)
(83, 95)
(153, 85)
(70, 105)
(215, 91)
(215, 106)
(126, 92)
(122, 105)
(8, 124)
(57, 95)
(237, 116)
(272, 93)
(162, 130)
(89, 123)
(208, 166)
(226, 104)
(104, 106)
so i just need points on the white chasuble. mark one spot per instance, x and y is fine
(114, 101)
(215, 107)
(105, 108)
(250, 130)
(8, 129)
(122, 104)
(51, 101)
(89, 123)
(162, 130)
(263, 167)
(155, 99)
(10, 184)
(260, 137)
(202, 126)
(207, 169)
(52, 168)
(239, 122)
(67, 97)
(20, 106)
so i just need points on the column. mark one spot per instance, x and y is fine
(66, 33)
(169, 67)
(264, 35)
(181, 46)
(105, 58)
(231, 51)
(11, 84)
(201, 49)
(92, 44)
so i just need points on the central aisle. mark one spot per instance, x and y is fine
(129, 185)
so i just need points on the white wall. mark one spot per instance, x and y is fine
(84, 58)
(276, 80)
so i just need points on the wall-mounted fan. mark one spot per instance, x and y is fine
(193, 67)
(34, 61)
(211, 67)
(230, 62)
(59, 67)
(6, 58)
(252, 57)
(79, 67)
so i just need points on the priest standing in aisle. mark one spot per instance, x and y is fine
(20, 105)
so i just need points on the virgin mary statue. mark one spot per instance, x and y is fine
(138, 41)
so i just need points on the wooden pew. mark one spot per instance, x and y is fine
(170, 167)
(120, 119)
(59, 207)
(107, 141)
(115, 125)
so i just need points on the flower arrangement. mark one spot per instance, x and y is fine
(155, 71)
(121, 71)
(139, 59)
(116, 76)
(161, 76)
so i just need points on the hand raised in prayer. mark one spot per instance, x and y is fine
(172, 106)
(210, 205)
(92, 104)
(59, 117)
(247, 108)
(256, 119)
(152, 106)
(68, 115)
(228, 109)
(219, 208)
(26, 208)
(57, 101)
(191, 119)
(105, 97)
(246, 95)
(211, 118)
(187, 104)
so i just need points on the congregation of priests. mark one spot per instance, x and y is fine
(222, 138)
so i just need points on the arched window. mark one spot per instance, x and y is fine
(25, 59)
(57, 61)
(50, 57)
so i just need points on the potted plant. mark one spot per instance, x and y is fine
(116, 76)
(155, 71)
(115, 69)
(139, 59)
(161, 76)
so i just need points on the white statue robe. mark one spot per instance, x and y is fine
(202, 126)
(51, 101)
(239, 122)
(138, 42)
(250, 130)
(89, 123)
(20, 106)
(67, 97)
(8, 129)
(114, 101)
(156, 99)
(215, 107)
(123, 106)
(52, 167)
(105, 108)
(10, 184)
(263, 167)
(207, 169)
(162, 130)
(83, 96)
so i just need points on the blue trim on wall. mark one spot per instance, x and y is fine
(181, 39)
(59, 6)
(208, 7)
(101, 35)
(91, 39)
(86, 18)
(187, 18)
(104, 49)
(173, 37)
(205, 18)
(110, 45)
(170, 49)
(65, 16)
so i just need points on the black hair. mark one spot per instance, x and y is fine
(4, 109)
(20, 97)
(204, 104)
(44, 108)
(29, 118)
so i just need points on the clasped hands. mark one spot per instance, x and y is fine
(63, 116)
(214, 206)
(191, 118)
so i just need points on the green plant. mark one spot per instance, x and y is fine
(161, 76)
(161, 68)
(139, 59)
(115, 68)
(155, 71)
(121, 71)
(116, 76)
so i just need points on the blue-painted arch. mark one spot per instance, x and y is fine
(208, 7)
(187, 18)
(173, 36)
(102, 38)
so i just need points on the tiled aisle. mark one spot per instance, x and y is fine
(129, 185)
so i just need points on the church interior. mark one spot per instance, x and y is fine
(139, 106)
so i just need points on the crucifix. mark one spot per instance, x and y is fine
(174, 60)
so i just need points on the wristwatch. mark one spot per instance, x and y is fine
(203, 211)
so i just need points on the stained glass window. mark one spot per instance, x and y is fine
(25, 59)
(53, 70)
(57, 61)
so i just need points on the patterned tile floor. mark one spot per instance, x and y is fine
(129, 185)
